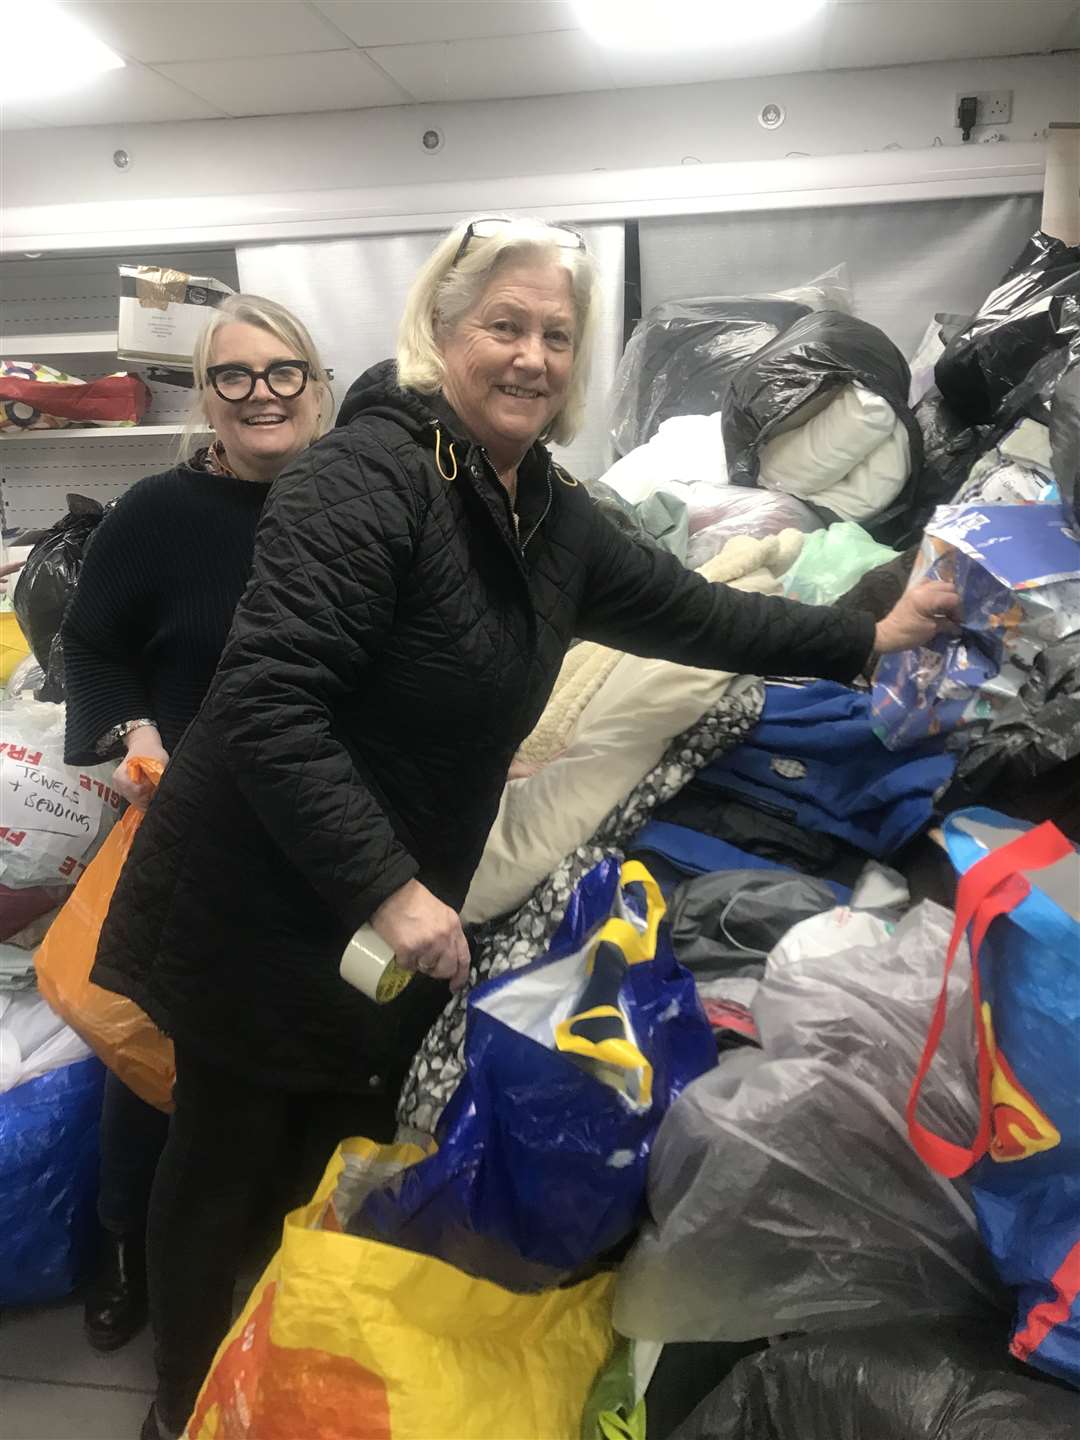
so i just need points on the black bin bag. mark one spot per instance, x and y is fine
(930, 1381)
(725, 923)
(792, 379)
(47, 582)
(1032, 313)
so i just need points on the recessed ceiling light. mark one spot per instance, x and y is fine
(689, 24)
(46, 52)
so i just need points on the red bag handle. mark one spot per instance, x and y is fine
(993, 886)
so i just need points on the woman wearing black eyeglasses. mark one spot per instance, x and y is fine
(142, 638)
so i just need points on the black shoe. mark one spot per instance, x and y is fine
(116, 1300)
(153, 1429)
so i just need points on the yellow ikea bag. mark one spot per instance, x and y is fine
(114, 1027)
(348, 1339)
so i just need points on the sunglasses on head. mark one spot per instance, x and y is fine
(284, 378)
(487, 228)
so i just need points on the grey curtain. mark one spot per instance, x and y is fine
(905, 262)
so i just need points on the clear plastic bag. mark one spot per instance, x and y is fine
(683, 353)
(784, 1191)
(739, 511)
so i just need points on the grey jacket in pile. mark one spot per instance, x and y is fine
(397, 641)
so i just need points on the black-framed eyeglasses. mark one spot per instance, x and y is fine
(284, 378)
(489, 226)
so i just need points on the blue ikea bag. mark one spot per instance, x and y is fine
(1019, 891)
(571, 1064)
(49, 1182)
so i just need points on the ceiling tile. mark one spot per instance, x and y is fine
(900, 32)
(128, 96)
(555, 63)
(786, 54)
(288, 84)
(406, 22)
(160, 31)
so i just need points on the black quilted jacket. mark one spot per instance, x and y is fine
(397, 641)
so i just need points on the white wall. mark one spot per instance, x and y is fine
(60, 186)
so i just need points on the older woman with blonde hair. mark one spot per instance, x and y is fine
(419, 574)
(142, 638)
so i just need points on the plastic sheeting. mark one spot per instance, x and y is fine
(784, 1192)
(1065, 440)
(797, 375)
(1034, 310)
(951, 448)
(1018, 573)
(891, 1382)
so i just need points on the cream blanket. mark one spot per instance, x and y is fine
(744, 563)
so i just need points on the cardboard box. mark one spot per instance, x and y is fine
(162, 312)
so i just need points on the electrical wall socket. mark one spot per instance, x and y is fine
(994, 106)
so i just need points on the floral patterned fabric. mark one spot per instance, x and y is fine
(512, 941)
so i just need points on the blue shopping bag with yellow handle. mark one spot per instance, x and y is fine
(571, 1064)
(1019, 896)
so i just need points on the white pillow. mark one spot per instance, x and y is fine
(686, 451)
(874, 484)
(817, 455)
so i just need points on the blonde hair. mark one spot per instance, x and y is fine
(268, 315)
(444, 291)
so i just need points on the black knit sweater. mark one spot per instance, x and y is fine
(148, 622)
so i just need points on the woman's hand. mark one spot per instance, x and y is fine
(144, 741)
(918, 616)
(424, 934)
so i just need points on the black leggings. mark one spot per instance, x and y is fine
(133, 1135)
(230, 1146)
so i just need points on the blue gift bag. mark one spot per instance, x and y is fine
(48, 1182)
(1020, 892)
(571, 1063)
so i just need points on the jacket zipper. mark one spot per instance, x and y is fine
(544, 514)
(521, 544)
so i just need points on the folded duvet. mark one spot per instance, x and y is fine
(853, 457)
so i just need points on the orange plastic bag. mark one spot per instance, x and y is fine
(114, 1027)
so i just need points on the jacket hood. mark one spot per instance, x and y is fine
(377, 393)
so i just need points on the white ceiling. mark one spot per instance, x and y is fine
(270, 57)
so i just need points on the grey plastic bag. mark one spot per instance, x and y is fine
(784, 1191)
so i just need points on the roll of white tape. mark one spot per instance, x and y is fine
(368, 964)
